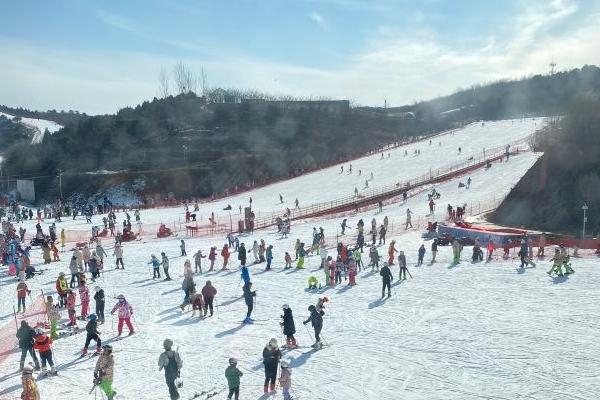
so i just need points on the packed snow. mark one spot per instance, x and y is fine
(469, 331)
(38, 125)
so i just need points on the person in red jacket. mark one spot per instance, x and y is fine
(212, 256)
(84, 296)
(208, 292)
(43, 344)
(225, 255)
(391, 252)
(22, 292)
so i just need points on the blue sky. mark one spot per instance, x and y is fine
(98, 56)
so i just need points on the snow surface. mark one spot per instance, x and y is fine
(480, 331)
(39, 126)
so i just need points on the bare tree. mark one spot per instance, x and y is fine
(185, 80)
(203, 82)
(163, 83)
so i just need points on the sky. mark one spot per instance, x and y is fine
(100, 56)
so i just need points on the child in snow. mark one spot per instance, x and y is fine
(249, 295)
(99, 299)
(271, 356)
(402, 265)
(351, 270)
(30, 390)
(103, 373)
(331, 267)
(421, 254)
(54, 252)
(155, 266)
(288, 261)
(212, 256)
(285, 380)
(225, 254)
(71, 298)
(43, 344)
(125, 313)
(22, 292)
(198, 256)
(313, 282)
(197, 303)
(53, 317)
(208, 294)
(316, 321)
(289, 328)
(84, 297)
(182, 248)
(233, 374)
(165, 264)
(92, 334)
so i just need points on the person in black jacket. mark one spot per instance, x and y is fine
(289, 328)
(99, 299)
(386, 276)
(271, 357)
(25, 334)
(92, 333)
(316, 321)
(242, 254)
(249, 299)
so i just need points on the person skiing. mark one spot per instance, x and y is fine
(125, 312)
(225, 254)
(233, 374)
(434, 250)
(30, 389)
(242, 254)
(197, 304)
(271, 356)
(285, 380)
(490, 249)
(374, 256)
(557, 262)
(523, 254)
(288, 260)
(155, 266)
(53, 316)
(74, 268)
(289, 328)
(208, 294)
(171, 362)
(43, 344)
(61, 288)
(301, 255)
(118, 253)
(245, 274)
(99, 299)
(101, 253)
(92, 334)
(249, 295)
(316, 321)
(392, 252)
(402, 266)
(456, 248)
(344, 224)
(84, 297)
(269, 256)
(71, 298)
(22, 292)
(182, 248)
(421, 254)
(351, 270)
(25, 334)
(387, 278)
(408, 219)
(94, 266)
(103, 372)
(165, 264)
(198, 261)
(188, 286)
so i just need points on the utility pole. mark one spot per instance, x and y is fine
(60, 182)
(552, 66)
(584, 208)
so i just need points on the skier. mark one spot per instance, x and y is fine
(316, 321)
(84, 297)
(94, 266)
(103, 373)
(99, 299)
(182, 248)
(374, 256)
(92, 334)
(382, 232)
(288, 326)
(225, 254)
(288, 260)
(25, 334)
(155, 266)
(323, 254)
(469, 182)
(490, 249)
(421, 254)
(402, 266)
(165, 264)
(434, 249)
(285, 380)
(541, 245)
(86, 254)
(61, 289)
(198, 261)
(197, 304)
(523, 254)
(22, 292)
(456, 249)
(431, 207)
(387, 278)
(269, 255)
(171, 362)
(125, 313)
(71, 298)
(242, 254)
(208, 294)
(392, 252)
(408, 219)
(271, 357)
(301, 255)
(245, 274)
(233, 374)
(101, 253)
(43, 344)
(187, 285)
(249, 300)
(344, 224)
(30, 390)
(254, 251)
(280, 198)
(118, 253)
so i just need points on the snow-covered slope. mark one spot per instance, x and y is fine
(464, 332)
(39, 125)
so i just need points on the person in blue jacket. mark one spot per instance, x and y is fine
(155, 266)
(269, 254)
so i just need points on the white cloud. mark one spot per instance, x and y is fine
(116, 21)
(318, 19)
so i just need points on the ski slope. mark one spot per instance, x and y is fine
(473, 331)
(38, 125)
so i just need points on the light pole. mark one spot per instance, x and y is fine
(584, 208)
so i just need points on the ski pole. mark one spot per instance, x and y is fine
(323, 338)
(307, 331)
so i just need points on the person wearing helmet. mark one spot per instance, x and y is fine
(249, 295)
(43, 344)
(30, 390)
(285, 380)
(61, 289)
(103, 373)
(271, 357)
(92, 333)
(316, 321)
(125, 313)
(233, 374)
(289, 328)
(171, 362)
(71, 299)
(99, 299)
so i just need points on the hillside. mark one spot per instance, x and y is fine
(13, 132)
(551, 194)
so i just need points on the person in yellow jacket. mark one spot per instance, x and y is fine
(30, 389)
(63, 239)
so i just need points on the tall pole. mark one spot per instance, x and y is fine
(584, 208)
(60, 182)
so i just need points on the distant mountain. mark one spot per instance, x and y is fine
(60, 117)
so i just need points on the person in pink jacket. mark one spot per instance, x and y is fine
(71, 298)
(84, 296)
(125, 313)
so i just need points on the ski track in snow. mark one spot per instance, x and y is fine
(471, 331)
(40, 125)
